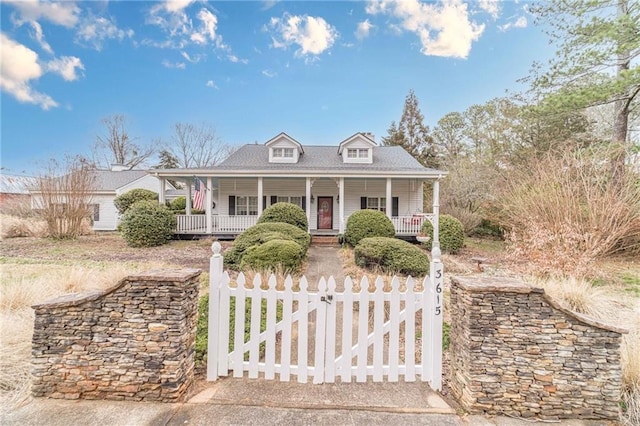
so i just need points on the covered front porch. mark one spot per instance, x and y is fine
(234, 203)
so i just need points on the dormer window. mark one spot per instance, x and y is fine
(357, 153)
(282, 152)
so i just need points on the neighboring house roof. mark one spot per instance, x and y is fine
(107, 180)
(322, 158)
(16, 184)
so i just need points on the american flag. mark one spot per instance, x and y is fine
(199, 195)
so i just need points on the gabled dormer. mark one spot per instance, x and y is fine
(357, 149)
(284, 149)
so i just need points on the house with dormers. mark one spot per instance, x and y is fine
(328, 182)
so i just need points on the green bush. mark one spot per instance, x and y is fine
(368, 223)
(260, 234)
(451, 234)
(392, 256)
(126, 200)
(273, 256)
(487, 228)
(147, 224)
(285, 213)
(179, 203)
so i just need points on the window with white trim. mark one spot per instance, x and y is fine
(95, 212)
(357, 153)
(246, 206)
(375, 203)
(282, 152)
(293, 200)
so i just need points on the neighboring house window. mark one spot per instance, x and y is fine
(357, 153)
(95, 209)
(283, 152)
(245, 206)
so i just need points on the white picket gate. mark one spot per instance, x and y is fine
(335, 344)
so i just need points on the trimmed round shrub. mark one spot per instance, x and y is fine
(179, 203)
(392, 256)
(126, 200)
(147, 224)
(262, 233)
(285, 213)
(274, 255)
(451, 234)
(368, 223)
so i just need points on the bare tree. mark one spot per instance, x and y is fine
(196, 146)
(62, 195)
(116, 147)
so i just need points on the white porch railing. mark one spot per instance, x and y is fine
(410, 225)
(191, 224)
(197, 223)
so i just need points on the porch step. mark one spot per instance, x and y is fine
(325, 240)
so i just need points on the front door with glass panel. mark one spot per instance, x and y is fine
(325, 212)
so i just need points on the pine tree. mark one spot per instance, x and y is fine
(412, 134)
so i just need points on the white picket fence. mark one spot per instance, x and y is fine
(339, 350)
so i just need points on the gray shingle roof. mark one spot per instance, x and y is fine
(325, 158)
(16, 184)
(107, 180)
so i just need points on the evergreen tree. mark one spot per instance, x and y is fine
(412, 134)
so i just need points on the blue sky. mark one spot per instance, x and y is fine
(319, 71)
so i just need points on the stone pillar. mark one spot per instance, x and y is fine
(134, 341)
(516, 351)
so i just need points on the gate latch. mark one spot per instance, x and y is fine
(327, 299)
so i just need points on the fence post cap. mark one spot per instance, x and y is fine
(216, 247)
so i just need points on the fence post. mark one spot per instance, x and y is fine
(435, 332)
(216, 271)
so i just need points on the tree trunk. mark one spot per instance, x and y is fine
(621, 111)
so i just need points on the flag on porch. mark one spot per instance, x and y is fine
(199, 195)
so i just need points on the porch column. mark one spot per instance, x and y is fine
(341, 204)
(435, 248)
(163, 188)
(209, 201)
(308, 203)
(188, 197)
(260, 206)
(389, 206)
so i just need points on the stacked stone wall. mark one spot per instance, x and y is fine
(515, 351)
(134, 341)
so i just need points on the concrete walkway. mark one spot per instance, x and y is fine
(323, 262)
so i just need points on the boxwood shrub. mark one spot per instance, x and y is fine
(285, 213)
(262, 233)
(147, 224)
(368, 223)
(179, 203)
(451, 234)
(273, 256)
(126, 200)
(392, 256)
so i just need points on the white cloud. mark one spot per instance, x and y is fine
(211, 84)
(521, 22)
(94, 30)
(19, 65)
(66, 66)
(38, 35)
(194, 59)
(268, 4)
(269, 73)
(312, 34)
(444, 29)
(235, 59)
(492, 7)
(178, 65)
(363, 29)
(64, 13)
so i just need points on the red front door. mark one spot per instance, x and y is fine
(325, 212)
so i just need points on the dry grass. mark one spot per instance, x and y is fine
(17, 226)
(630, 352)
(25, 284)
(581, 296)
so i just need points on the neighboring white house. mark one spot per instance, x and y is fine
(328, 182)
(108, 184)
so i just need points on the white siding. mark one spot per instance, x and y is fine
(149, 182)
(108, 213)
(357, 143)
(234, 186)
(283, 143)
